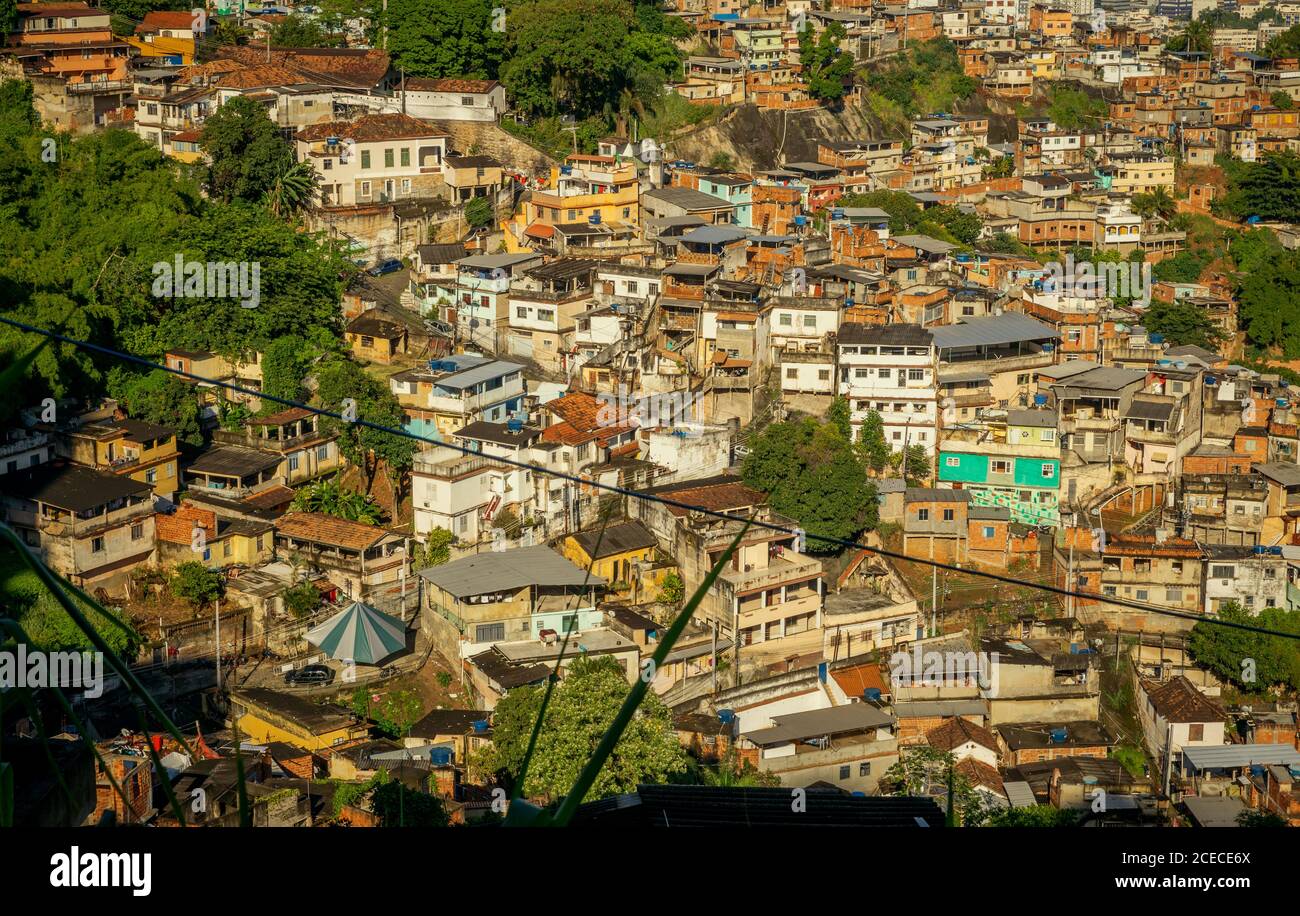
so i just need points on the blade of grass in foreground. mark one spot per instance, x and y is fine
(634, 697)
(55, 587)
(524, 813)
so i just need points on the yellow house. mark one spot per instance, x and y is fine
(170, 50)
(144, 452)
(266, 715)
(612, 554)
(224, 541)
(1043, 63)
(585, 189)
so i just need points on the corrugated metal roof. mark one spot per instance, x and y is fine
(508, 570)
(1019, 794)
(1009, 327)
(1233, 756)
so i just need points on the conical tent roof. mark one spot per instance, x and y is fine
(361, 633)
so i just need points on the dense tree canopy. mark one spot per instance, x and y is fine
(812, 473)
(1251, 661)
(582, 707)
(825, 66)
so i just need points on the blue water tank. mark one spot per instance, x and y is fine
(871, 694)
(1058, 735)
(1158, 338)
(837, 213)
(515, 425)
(726, 716)
(481, 725)
(801, 220)
(594, 219)
(1211, 381)
(1040, 400)
(440, 756)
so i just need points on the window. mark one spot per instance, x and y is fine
(489, 632)
(844, 772)
(1049, 471)
(322, 452)
(137, 532)
(1174, 595)
(365, 160)
(97, 545)
(293, 462)
(823, 375)
(406, 156)
(327, 164)
(810, 321)
(915, 375)
(785, 319)
(1196, 732)
(923, 514)
(1222, 572)
(365, 189)
(546, 314)
(1142, 594)
(388, 158)
(467, 100)
(864, 768)
(948, 515)
(952, 461)
(999, 466)
(792, 373)
(521, 312)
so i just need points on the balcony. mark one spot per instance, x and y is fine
(68, 525)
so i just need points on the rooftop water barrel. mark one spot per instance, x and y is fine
(726, 716)
(440, 756)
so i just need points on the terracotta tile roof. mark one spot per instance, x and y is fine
(349, 66)
(178, 528)
(1145, 545)
(165, 19)
(288, 415)
(450, 85)
(326, 529)
(719, 497)
(956, 732)
(978, 773)
(368, 128)
(581, 420)
(261, 77)
(269, 498)
(855, 679)
(1180, 701)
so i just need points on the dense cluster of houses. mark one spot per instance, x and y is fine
(626, 320)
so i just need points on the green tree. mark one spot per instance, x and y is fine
(722, 161)
(1034, 816)
(1182, 323)
(1158, 203)
(1196, 36)
(8, 16)
(446, 38)
(840, 416)
(342, 379)
(301, 600)
(673, 590)
(295, 31)
(825, 67)
(733, 772)
(1072, 109)
(284, 366)
(293, 190)
(917, 464)
(582, 707)
(399, 806)
(872, 444)
(1251, 818)
(159, 397)
(397, 712)
(329, 498)
(1285, 45)
(435, 551)
(1252, 661)
(1269, 305)
(811, 473)
(246, 154)
(1282, 99)
(195, 583)
(478, 212)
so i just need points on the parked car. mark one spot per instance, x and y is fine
(310, 674)
(385, 267)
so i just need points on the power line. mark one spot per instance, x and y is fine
(648, 497)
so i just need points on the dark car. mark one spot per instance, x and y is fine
(385, 267)
(310, 674)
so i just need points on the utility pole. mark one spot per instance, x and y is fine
(934, 600)
(218, 639)
(1069, 583)
(714, 653)
(268, 46)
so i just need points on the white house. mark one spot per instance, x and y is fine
(891, 369)
(455, 99)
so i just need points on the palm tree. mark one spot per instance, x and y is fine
(294, 190)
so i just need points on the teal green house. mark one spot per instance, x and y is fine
(1028, 486)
